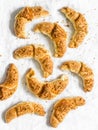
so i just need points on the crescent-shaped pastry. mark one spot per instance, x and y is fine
(23, 108)
(45, 90)
(40, 54)
(80, 25)
(26, 15)
(56, 33)
(62, 107)
(9, 86)
(83, 71)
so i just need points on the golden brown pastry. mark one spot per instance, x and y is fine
(24, 52)
(83, 71)
(80, 25)
(62, 107)
(45, 90)
(27, 14)
(23, 108)
(9, 86)
(56, 33)
(40, 54)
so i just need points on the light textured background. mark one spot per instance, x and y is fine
(84, 118)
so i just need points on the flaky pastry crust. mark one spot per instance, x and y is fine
(23, 108)
(26, 15)
(83, 71)
(56, 33)
(45, 90)
(9, 86)
(40, 54)
(80, 25)
(63, 107)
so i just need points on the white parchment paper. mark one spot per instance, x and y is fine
(84, 118)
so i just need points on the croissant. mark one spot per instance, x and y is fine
(63, 107)
(40, 54)
(23, 108)
(83, 71)
(56, 33)
(26, 15)
(45, 90)
(80, 25)
(9, 86)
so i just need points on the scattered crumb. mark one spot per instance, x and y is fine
(67, 25)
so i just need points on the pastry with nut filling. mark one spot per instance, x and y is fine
(81, 69)
(55, 32)
(46, 90)
(39, 53)
(23, 108)
(10, 84)
(80, 25)
(62, 107)
(26, 15)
